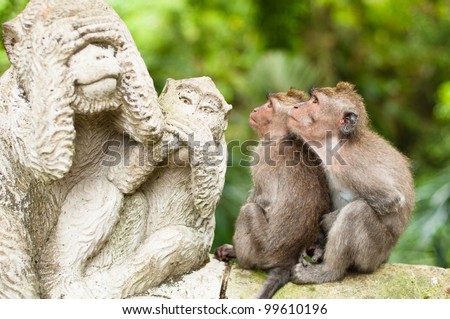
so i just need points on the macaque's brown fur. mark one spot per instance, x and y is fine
(370, 183)
(281, 218)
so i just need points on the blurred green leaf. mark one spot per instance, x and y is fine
(442, 109)
(277, 71)
(426, 239)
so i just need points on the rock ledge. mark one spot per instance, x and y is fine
(391, 281)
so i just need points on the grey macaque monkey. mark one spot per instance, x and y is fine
(370, 183)
(281, 218)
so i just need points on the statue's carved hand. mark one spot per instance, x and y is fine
(204, 160)
(57, 42)
(189, 132)
(101, 29)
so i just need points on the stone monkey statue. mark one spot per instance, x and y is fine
(280, 220)
(76, 82)
(370, 182)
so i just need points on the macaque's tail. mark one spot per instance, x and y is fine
(277, 278)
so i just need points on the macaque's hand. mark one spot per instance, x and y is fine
(225, 253)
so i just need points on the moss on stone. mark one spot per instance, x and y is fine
(393, 281)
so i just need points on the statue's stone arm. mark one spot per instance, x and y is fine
(207, 160)
(208, 178)
(141, 161)
(44, 140)
(140, 116)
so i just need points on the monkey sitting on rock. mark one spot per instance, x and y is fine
(281, 218)
(370, 183)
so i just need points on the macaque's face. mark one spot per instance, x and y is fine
(96, 72)
(313, 118)
(305, 118)
(260, 118)
(337, 110)
(271, 117)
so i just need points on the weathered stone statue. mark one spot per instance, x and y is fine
(74, 223)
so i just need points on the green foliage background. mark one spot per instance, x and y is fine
(396, 52)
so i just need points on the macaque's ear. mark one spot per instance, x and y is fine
(348, 122)
(276, 105)
(272, 98)
(11, 35)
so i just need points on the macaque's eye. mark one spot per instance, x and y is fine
(185, 100)
(270, 104)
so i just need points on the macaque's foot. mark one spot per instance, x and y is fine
(317, 256)
(304, 258)
(225, 253)
(315, 274)
(301, 274)
(312, 255)
(315, 252)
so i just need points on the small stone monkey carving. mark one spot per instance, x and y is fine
(370, 182)
(280, 220)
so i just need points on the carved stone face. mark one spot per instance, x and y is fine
(96, 71)
(198, 100)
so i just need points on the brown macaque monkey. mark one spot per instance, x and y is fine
(281, 218)
(369, 180)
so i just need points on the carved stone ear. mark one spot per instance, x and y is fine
(11, 36)
(348, 123)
